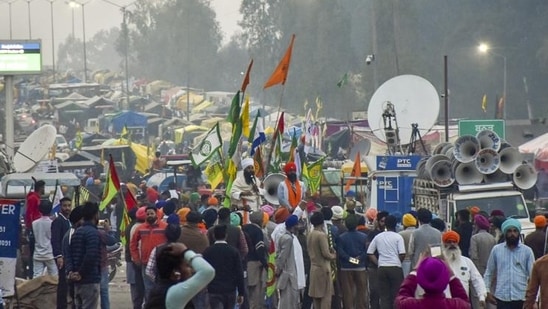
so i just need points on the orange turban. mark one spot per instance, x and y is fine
(540, 221)
(281, 215)
(266, 218)
(474, 211)
(182, 214)
(450, 236)
(212, 201)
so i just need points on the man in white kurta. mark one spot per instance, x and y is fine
(462, 267)
(246, 190)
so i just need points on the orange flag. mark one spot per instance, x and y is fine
(356, 172)
(245, 82)
(280, 73)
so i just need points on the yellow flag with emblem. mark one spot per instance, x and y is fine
(79, 140)
(214, 173)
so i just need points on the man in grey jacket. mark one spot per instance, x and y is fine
(288, 270)
(423, 237)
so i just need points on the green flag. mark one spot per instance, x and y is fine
(207, 147)
(235, 109)
(343, 80)
(313, 175)
(253, 129)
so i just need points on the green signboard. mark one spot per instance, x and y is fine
(473, 127)
(20, 57)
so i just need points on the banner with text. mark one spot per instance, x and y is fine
(9, 242)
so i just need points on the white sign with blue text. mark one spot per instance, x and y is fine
(9, 242)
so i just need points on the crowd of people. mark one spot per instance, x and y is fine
(195, 253)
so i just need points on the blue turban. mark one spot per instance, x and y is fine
(509, 223)
(291, 221)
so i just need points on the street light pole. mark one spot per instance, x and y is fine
(484, 49)
(28, 13)
(504, 88)
(126, 42)
(52, 42)
(84, 42)
(72, 13)
(11, 32)
(126, 52)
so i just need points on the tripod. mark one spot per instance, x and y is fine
(416, 136)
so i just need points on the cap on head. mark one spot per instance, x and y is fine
(256, 217)
(350, 193)
(338, 212)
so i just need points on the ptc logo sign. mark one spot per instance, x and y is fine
(206, 148)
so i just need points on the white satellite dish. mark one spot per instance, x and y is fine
(363, 146)
(34, 148)
(415, 101)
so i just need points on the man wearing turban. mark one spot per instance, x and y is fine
(511, 262)
(246, 190)
(462, 267)
(292, 191)
(481, 243)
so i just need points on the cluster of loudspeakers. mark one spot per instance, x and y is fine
(484, 158)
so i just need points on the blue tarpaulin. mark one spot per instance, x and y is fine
(129, 119)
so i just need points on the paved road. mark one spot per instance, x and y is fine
(120, 297)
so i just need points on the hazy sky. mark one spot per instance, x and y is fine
(98, 14)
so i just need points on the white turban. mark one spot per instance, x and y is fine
(247, 162)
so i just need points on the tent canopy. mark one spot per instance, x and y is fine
(534, 145)
(128, 118)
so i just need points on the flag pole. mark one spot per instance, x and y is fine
(275, 136)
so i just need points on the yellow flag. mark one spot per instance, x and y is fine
(245, 118)
(484, 103)
(214, 173)
(79, 139)
(319, 106)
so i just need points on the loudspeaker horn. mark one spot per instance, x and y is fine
(271, 183)
(510, 159)
(487, 161)
(525, 176)
(441, 173)
(489, 139)
(466, 148)
(497, 176)
(432, 160)
(450, 154)
(467, 174)
(421, 171)
(439, 148)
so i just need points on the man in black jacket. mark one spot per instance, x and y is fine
(85, 268)
(59, 227)
(256, 261)
(229, 275)
(465, 229)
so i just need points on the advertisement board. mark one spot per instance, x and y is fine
(9, 242)
(19, 57)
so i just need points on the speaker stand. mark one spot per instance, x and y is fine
(416, 137)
